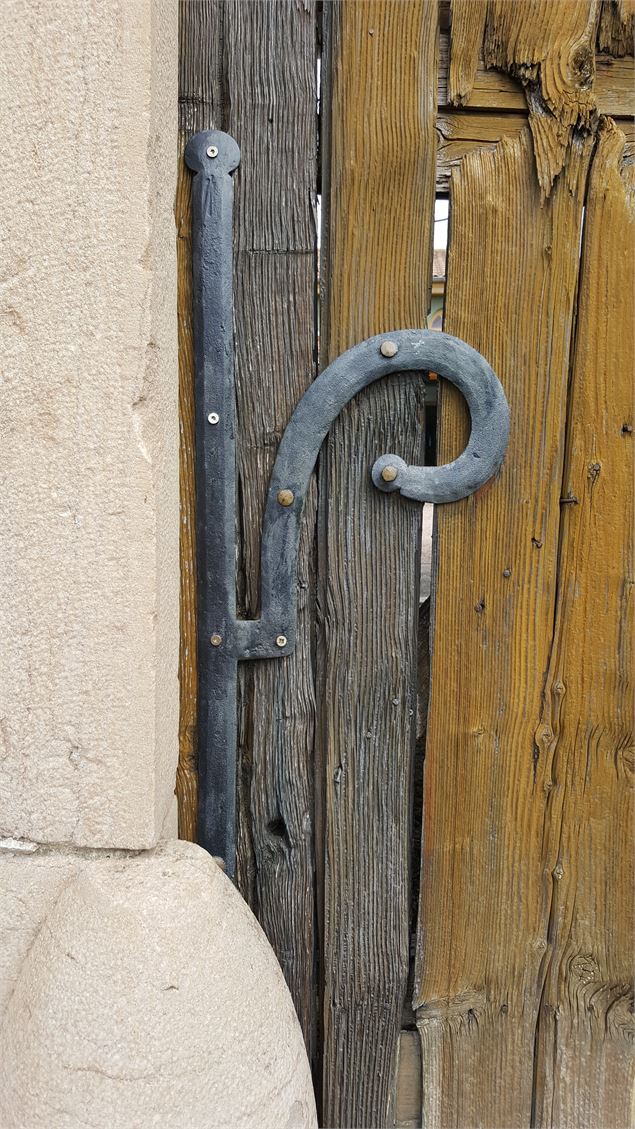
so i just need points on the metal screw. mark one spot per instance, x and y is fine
(213, 417)
(388, 348)
(389, 473)
(281, 641)
(507, 572)
(216, 640)
(212, 151)
(285, 497)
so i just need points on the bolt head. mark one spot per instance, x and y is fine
(281, 641)
(216, 640)
(389, 473)
(388, 348)
(213, 417)
(285, 497)
(212, 151)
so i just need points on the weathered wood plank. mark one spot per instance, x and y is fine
(251, 69)
(200, 107)
(379, 159)
(551, 49)
(512, 274)
(408, 1082)
(495, 90)
(460, 132)
(468, 28)
(617, 27)
(584, 1046)
(615, 85)
(270, 59)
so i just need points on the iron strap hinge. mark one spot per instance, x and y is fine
(223, 639)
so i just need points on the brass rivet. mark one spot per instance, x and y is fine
(213, 417)
(388, 348)
(281, 641)
(216, 640)
(286, 497)
(389, 473)
(212, 151)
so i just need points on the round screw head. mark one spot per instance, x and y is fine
(213, 417)
(216, 640)
(281, 641)
(388, 348)
(212, 151)
(285, 497)
(389, 473)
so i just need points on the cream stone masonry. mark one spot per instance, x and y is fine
(140, 991)
(88, 423)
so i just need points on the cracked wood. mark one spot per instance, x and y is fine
(484, 910)
(584, 1066)
(378, 197)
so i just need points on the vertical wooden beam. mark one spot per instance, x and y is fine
(584, 1059)
(271, 77)
(251, 69)
(378, 204)
(486, 869)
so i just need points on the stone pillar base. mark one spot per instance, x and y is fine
(139, 990)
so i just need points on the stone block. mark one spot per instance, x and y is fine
(139, 990)
(88, 428)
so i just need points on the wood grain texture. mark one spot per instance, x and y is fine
(460, 132)
(617, 27)
(200, 31)
(468, 27)
(379, 155)
(186, 772)
(408, 1082)
(512, 276)
(251, 69)
(550, 47)
(584, 1068)
(270, 60)
(495, 90)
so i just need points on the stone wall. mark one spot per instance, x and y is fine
(136, 988)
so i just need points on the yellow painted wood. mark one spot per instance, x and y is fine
(550, 47)
(186, 773)
(617, 25)
(485, 881)
(488, 88)
(460, 132)
(584, 1064)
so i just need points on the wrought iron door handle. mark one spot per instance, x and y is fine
(224, 639)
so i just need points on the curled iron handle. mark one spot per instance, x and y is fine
(401, 351)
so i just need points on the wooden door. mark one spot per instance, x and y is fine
(469, 964)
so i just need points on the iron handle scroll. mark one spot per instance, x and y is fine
(223, 639)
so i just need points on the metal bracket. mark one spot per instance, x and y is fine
(223, 639)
